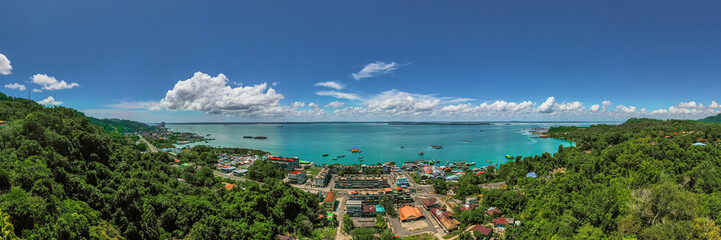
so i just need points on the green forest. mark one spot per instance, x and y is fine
(62, 177)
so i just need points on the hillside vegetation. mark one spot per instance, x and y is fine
(62, 177)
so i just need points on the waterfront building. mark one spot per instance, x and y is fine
(329, 201)
(297, 177)
(354, 207)
(287, 163)
(402, 182)
(360, 182)
(321, 180)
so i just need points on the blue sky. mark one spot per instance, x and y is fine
(525, 60)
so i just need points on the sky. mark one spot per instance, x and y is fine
(224, 61)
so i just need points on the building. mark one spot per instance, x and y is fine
(444, 219)
(227, 169)
(430, 203)
(363, 222)
(321, 180)
(501, 223)
(354, 207)
(287, 163)
(486, 231)
(240, 172)
(402, 182)
(409, 213)
(369, 210)
(329, 201)
(297, 177)
(380, 209)
(358, 181)
(493, 210)
(471, 200)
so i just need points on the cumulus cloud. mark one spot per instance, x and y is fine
(602, 107)
(15, 86)
(337, 94)
(50, 83)
(330, 84)
(375, 69)
(714, 105)
(37, 90)
(659, 111)
(594, 108)
(398, 102)
(5, 67)
(213, 95)
(335, 104)
(624, 109)
(50, 101)
(298, 104)
(313, 105)
(551, 106)
(132, 105)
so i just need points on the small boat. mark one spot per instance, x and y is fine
(341, 156)
(488, 161)
(437, 146)
(471, 163)
(421, 153)
(543, 136)
(325, 155)
(509, 156)
(402, 147)
(260, 137)
(207, 135)
(466, 141)
(247, 136)
(335, 158)
(361, 157)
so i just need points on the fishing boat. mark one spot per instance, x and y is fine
(355, 151)
(437, 146)
(402, 147)
(421, 153)
(361, 157)
(247, 136)
(325, 155)
(543, 136)
(341, 156)
(260, 137)
(509, 156)
(488, 161)
(335, 158)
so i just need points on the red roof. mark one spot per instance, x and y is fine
(430, 201)
(369, 208)
(483, 229)
(500, 221)
(492, 211)
(296, 172)
(330, 197)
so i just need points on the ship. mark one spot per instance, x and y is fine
(247, 136)
(260, 137)
(437, 146)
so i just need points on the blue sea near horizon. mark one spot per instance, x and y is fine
(381, 142)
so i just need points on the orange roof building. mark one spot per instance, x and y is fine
(409, 213)
(229, 186)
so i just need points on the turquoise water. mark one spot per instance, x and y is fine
(380, 142)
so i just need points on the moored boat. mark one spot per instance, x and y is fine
(260, 137)
(247, 136)
(437, 146)
(509, 156)
(421, 153)
(325, 155)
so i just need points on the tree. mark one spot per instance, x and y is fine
(387, 235)
(7, 231)
(347, 224)
(381, 223)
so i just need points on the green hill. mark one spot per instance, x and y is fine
(711, 119)
(63, 177)
(121, 125)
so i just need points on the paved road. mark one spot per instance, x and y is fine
(152, 148)
(340, 211)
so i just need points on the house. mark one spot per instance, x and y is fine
(240, 172)
(229, 186)
(380, 209)
(402, 182)
(471, 200)
(491, 211)
(467, 206)
(297, 177)
(321, 180)
(329, 201)
(452, 178)
(409, 213)
(429, 203)
(354, 207)
(531, 175)
(483, 230)
(444, 219)
(227, 169)
(287, 163)
(500, 222)
(369, 210)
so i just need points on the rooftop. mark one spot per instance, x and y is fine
(330, 197)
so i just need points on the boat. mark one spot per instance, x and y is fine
(466, 141)
(437, 146)
(340, 156)
(325, 155)
(509, 156)
(421, 153)
(247, 136)
(207, 135)
(543, 136)
(361, 157)
(335, 158)
(260, 137)
(402, 147)
(488, 161)
(355, 151)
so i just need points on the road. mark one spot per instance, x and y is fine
(340, 212)
(152, 148)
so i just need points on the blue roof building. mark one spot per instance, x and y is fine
(531, 174)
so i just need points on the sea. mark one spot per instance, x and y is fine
(383, 142)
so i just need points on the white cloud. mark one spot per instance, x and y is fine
(397, 102)
(15, 86)
(132, 105)
(714, 105)
(50, 83)
(37, 90)
(330, 84)
(643, 111)
(459, 100)
(50, 101)
(213, 95)
(335, 104)
(690, 104)
(624, 109)
(375, 69)
(313, 105)
(659, 111)
(5, 67)
(298, 104)
(595, 108)
(547, 106)
(336, 94)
